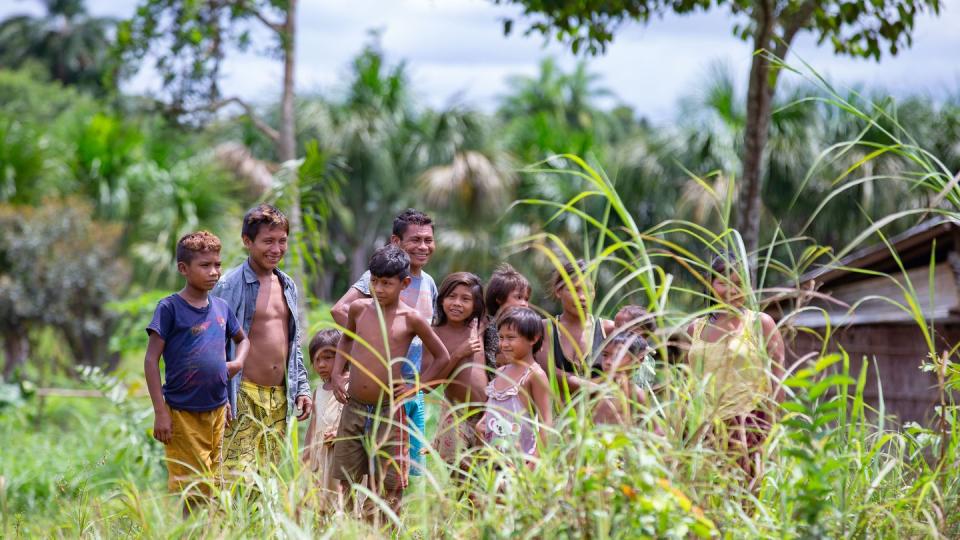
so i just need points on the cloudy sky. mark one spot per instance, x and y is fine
(456, 52)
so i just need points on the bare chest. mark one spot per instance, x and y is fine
(271, 306)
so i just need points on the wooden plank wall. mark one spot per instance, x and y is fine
(899, 350)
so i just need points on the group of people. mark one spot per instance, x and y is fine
(234, 372)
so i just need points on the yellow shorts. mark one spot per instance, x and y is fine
(254, 437)
(194, 451)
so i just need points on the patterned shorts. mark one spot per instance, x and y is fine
(254, 438)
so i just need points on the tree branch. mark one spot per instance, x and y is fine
(264, 128)
(244, 5)
(792, 25)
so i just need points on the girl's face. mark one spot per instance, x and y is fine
(514, 346)
(728, 289)
(458, 305)
(615, 358)
(569, 298)
(323, 362)
(516, 298)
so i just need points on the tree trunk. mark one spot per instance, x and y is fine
(16, 350)
(759, 98)
(287, 151)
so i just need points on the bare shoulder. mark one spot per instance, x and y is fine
(357, 306)
(767, 322)
(537, 373)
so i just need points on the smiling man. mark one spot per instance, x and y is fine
(413, 233)
(273, 384)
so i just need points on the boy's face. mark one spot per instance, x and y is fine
(621, 319)
(516, 298)
(458, 304)
(323, 362)
(513, 345)
(729, 290)
(569, 298)
(417, 241)
(387, 289)
(617, 358)
(268, 248)
(203, 271)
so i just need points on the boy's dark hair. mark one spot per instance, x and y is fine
(505, 280)
(569, 269)
(326, 338)
(451, 282)
(633, 312)
(634, 343)
(196, 242)
(409, 217)
(263, 214)
(390, 261)
(526, 322)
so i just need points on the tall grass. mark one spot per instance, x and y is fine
(833, 467)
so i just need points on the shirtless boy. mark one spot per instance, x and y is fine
(273, 383)
(373, 422)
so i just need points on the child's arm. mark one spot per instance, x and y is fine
(343, 350)
(776, 350)
(539, 388)
(433, 372)
(162, 428)
(240, 356)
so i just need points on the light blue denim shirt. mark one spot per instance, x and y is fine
(239, 288)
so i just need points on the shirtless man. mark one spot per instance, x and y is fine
(273, 384)
(373, 422)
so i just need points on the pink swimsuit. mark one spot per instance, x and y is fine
(508, 421)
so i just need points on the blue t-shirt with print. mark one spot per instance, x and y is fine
(421, 295)
(194, 351)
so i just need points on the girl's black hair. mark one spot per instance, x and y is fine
(634, 343)
(526, 322)
(328, 338)
(451, 282)
(505, 280)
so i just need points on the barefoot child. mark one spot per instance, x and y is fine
(190, 329)
(621, 360)
(507, 288)
(373, 429)
(318, 448)
(459, 310)
(519, 396)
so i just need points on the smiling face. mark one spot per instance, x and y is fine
(203, 270)
(417, 241)
(729, 290)
(323, 362)
(458, 305)
(513, 345)
(268, 248)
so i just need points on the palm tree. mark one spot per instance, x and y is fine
(72, 45)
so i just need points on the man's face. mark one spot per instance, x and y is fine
(203, 271)
(268, 248)
(387, 289)
(417, 241)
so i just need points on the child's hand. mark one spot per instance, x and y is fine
(471, 346)
(329, 436)
(402, 390)
(340, 388)
(163, 427)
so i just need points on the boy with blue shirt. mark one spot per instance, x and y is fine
(190, 330)
(413, 233)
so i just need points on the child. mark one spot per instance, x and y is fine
(507, 288)
(190, 330)
(317, 452)
(621, 359)
(636, 320)
(459, 310)
(373, 423)
(519, 387)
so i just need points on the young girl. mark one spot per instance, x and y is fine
(459, 310)
(318, 444)
(575, 334)
(507, 288)
(739, 353)
(519, 394)
(621, 360)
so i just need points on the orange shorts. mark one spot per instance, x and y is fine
(195, 449)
